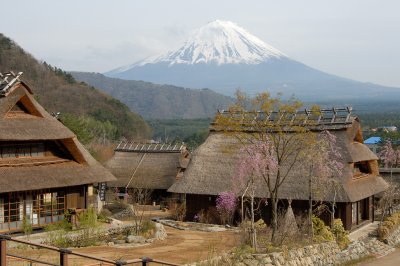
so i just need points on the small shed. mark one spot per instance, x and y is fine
(151, 166)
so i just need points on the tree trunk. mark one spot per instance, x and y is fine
(310, 223)
(274, 203)
(333, 207)
(252, 229)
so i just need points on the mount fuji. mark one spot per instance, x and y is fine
(225, 57)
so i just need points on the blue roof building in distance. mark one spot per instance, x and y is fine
(373, 140)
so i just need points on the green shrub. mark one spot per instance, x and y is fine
(27, 226)
(147, 228)
(341, 235)
(88, 219)
(321, 231)
(242, 250)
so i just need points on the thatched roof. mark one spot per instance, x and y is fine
(50, 176)
(214, 164)
(33, 123)
(147, 166)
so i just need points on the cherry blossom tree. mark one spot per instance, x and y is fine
(264, 119)
(226, 206)
(390, 157)
(258, 161)
(323, 164)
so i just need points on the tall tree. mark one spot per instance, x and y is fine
(323, 166)
(267, 120)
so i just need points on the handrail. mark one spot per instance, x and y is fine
(65, 253)
(31, 260)
(92, 257)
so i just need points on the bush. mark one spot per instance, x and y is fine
(341, 235)
(321, 231)
(226, 205)
(147, 228)
(242, 250)
(27, 226)
(88, 219)
(389, 224)
(177, 210)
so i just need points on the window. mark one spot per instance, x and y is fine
(17, 150)
(361, 168)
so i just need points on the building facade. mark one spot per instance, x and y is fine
(44, 169)
(215, 162)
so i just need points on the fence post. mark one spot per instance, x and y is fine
(145, 260)
(63, 256)
(3, 249)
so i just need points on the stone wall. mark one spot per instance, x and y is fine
(319, 254)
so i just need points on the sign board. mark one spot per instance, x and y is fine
(102, 191)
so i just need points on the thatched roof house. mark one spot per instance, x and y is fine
(153, 166)
(41, 161)
(214, 164)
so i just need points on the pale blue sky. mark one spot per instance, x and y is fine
(358, 39)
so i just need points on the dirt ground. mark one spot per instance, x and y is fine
(181, 246)
(393, 259)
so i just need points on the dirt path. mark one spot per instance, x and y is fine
(179, 247)
(392, 259)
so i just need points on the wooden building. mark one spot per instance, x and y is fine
(213, 164)
(152, 166)
(44, 170)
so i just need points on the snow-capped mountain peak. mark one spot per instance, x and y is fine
(218, 42)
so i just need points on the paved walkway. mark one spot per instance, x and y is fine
(364, 232)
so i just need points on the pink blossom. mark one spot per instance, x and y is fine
(389, 155)
(226, 202)
(258, 160)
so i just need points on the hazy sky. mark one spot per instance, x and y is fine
(358, 39)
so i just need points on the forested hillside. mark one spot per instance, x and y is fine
(90, 113)
(158, 101)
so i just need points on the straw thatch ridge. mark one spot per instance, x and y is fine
(214, 164)
(78, 168)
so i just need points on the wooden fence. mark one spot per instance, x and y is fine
(64, 254)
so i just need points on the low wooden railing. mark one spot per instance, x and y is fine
(64, 255)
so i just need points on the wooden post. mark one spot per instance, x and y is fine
(146, 260)
(63, 256)
(3, 249)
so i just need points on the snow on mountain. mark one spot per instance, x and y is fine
(218, 42)
(224, 57)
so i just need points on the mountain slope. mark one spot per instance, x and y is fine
(158, 101)
(223, 56)
(78, 103)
